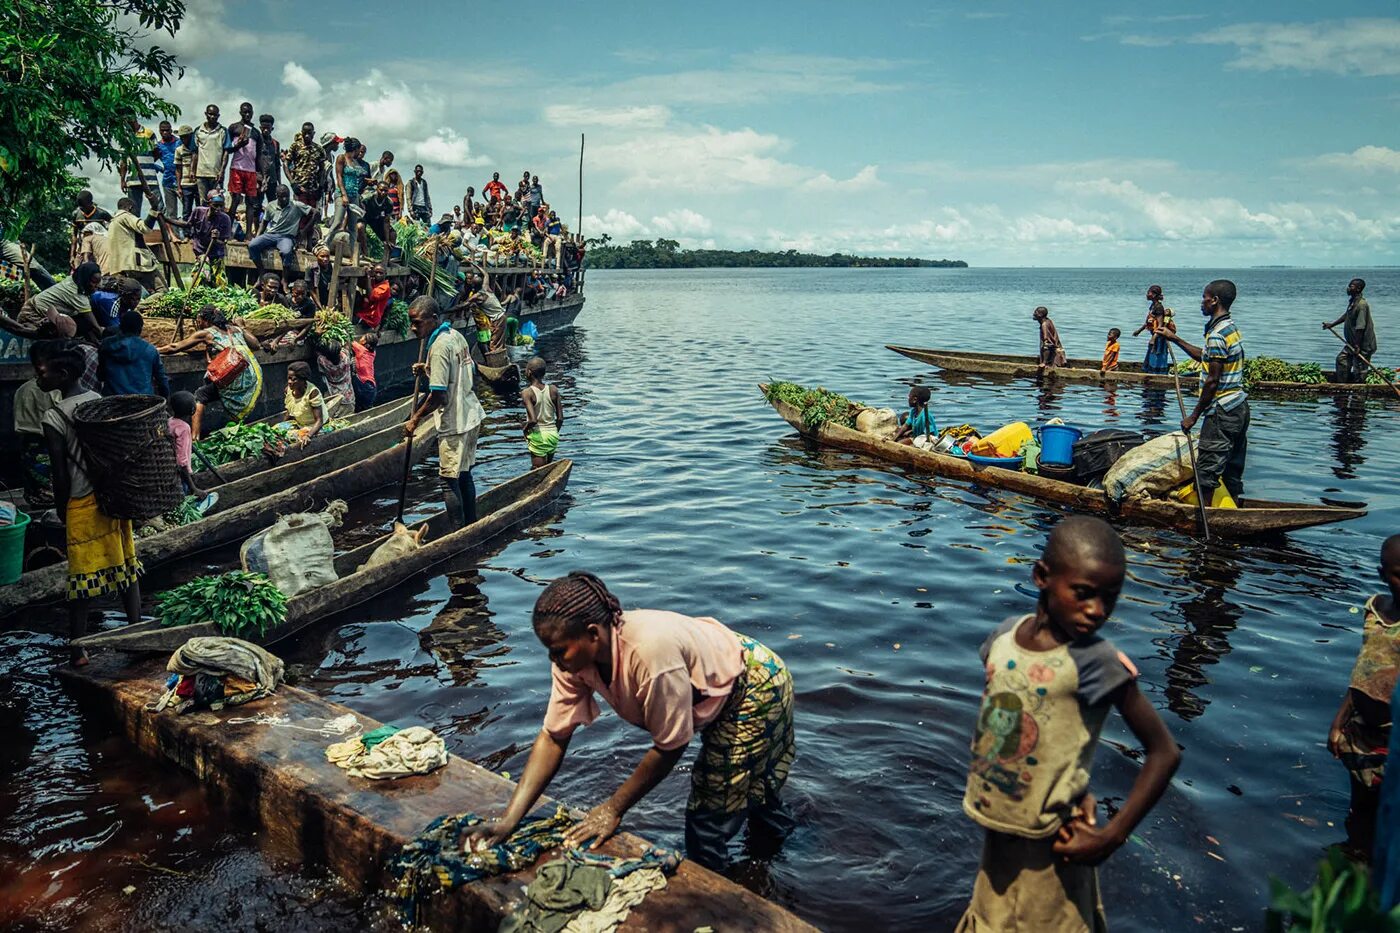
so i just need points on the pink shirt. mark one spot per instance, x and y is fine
(660, 660)
(180, 430)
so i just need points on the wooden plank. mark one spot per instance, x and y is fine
(308, 811)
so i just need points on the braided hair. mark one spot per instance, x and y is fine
(572, 603)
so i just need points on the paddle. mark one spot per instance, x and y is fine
(408, 448)
(1190, 448)
(1362, 357)
(207, 465)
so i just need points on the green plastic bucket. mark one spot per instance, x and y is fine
(12, 549)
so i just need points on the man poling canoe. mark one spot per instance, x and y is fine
(673, 676)
(1358, 333)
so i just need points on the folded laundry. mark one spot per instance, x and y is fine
(415, 750)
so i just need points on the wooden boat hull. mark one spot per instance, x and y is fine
(251, 504)
(1255, 516)
(499, 509)
(1081, 370)
(362, 424)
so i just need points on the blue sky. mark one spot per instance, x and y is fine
(1004, 134)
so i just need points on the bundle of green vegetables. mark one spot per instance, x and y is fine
(1272, 369)
(1376, 377)
(818, 406)
(272, 311)
(409, 234)
(396, 316)
(240, 603)
(172, 303)
(241, 439)
(333, 327)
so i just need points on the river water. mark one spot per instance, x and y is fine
(876, 586)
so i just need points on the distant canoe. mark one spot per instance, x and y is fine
(1255, 516)
(499, 509)
(1078, 370)
(497, 370)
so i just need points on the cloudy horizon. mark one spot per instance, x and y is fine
(1185, 136)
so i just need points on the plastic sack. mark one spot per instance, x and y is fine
(1154, 469)
(878, 422)
(528, 329)
(297, 553)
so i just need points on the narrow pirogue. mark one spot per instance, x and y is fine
(1253, 517)
(249, 504)
(1078, 370)
(499, 509)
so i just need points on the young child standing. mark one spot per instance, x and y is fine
(1051, 681)
(1110, 351)
(544, 414)
(181, 406)
(916, 426)
(1052, 352)
(1360, 734)
(362, 376)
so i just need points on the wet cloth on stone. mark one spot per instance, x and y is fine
(566, 900)
(415, 750)
(435, 861)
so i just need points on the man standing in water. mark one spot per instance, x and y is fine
(1223, 402)
(1359, 332)
(452, 401)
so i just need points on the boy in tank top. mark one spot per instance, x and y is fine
(544, 414)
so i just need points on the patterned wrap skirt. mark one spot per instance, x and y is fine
(101, 551)
(746, 753)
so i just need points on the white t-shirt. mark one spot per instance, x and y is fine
(450, 370)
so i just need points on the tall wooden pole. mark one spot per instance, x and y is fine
(579, 229)
(166, 237)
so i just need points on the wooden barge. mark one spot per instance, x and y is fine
(309, 811)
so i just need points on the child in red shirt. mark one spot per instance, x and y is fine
(371, 313)
(362, 376)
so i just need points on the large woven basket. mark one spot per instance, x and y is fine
(129, 454)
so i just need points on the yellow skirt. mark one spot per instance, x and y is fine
(101, 551)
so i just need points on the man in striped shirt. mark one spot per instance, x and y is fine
(1224, 403)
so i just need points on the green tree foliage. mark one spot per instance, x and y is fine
(48, 230)
(667, 254)
(73, 75)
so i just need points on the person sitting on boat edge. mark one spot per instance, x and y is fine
(672, 675)
(916, 426)
(1052, 352)
(451, 401)
(1224, 403)
(101, 549)
(1051, 682)
(306, 408)
(544, 414)
(1110, 352)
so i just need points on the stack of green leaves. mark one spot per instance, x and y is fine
(333, 327)
(1378, 377)
(186, 513)
(172, 303)
(273, 311)
(1272, 369)
(240, 603)
(239, 440)
(818, 406)
(396, 316)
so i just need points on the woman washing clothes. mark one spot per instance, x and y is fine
(674, 676)
(239, 394)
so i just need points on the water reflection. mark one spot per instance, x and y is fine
(1209, 616)
(1348, 434)
(1153, 409)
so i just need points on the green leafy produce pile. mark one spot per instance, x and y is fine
(241, 604)
(239, 440)
(1381, 377)
(1342, 898)
(277, 313)
(818, 406)
(186, 513)
(396, 316)
(333, 327)
(173, 302)
(1186, 368)
(409, 234)
(1271, 369)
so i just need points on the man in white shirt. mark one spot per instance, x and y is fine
(452, 402)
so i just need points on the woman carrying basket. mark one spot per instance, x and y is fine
(101, 549)
(234, 377)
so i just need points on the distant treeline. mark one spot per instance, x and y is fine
(667, 254)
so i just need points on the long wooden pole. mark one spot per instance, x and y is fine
(579, 229)
(166, 237)
(1190, 447)
(408, 447)
(1362, 357)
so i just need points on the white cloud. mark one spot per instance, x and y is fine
(1349, 46)
(445, 148)
(751, 78)
(681, 222)
(203, 32)
(300, 81)
(1369, 159)
(632, 117)
(620, 225)
(707, 159)
(623, 226)
(864, 180)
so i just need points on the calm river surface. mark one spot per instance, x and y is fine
(875, 585)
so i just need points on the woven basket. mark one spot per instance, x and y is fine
(130, 458)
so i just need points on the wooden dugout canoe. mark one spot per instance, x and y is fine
(499, 510)
(497, 370)
(251, 504)
(1081, 370)
(361, 424)
(1253, 517)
